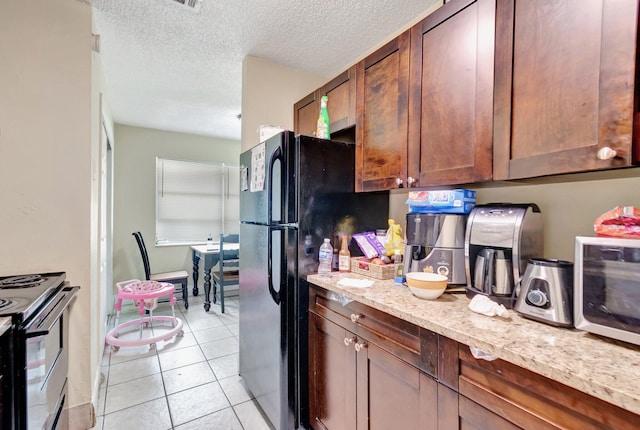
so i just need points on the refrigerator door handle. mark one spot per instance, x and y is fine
(276, 155)
(275, 295)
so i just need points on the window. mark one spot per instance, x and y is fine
(195, 200)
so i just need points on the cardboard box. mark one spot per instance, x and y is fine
(458, 201)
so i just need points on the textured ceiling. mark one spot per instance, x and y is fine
(169, 68)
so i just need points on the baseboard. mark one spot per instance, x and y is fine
(82, 417)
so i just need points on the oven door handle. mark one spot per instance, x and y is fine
(43, 327)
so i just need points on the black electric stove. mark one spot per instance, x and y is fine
(21, 296)
(37, 354)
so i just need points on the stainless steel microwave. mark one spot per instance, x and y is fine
(607, 287)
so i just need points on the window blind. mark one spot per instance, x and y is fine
(195, 200)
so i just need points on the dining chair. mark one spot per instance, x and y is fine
(228, 265)
(178, 278)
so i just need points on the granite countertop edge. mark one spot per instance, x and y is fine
(603, 368)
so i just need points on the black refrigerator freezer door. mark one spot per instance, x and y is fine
(262, 181)
(263, 337)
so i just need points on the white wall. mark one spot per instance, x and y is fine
(134, 193)
(268, 93)
(46, 145)
(101, 257)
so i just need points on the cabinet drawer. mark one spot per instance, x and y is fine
(532, 401)
(407, 341)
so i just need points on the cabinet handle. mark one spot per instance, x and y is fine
(399, 182)
(360, 346)
(355, 317)
(411, 180)
(606, 153)
(349, 340)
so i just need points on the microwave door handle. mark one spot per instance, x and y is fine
(45, 327)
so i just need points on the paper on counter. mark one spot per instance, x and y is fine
(355, 283)
(484, 305)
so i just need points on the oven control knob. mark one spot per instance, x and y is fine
(537, 298)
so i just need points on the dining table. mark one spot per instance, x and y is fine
(210, 253)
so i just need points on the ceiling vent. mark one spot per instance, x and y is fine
(192, 5)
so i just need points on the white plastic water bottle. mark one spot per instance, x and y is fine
(325, 256)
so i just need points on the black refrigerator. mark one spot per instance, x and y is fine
(294, 192)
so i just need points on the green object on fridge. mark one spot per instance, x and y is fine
(322, 129)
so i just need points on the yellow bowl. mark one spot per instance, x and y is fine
(428, 286)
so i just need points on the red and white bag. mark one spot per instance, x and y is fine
(621, 221)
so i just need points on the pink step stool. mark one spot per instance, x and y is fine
(145, 296)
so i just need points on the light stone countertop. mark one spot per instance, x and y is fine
(599, 366)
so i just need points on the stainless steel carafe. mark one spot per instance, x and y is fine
(493, 273)
(503, 275)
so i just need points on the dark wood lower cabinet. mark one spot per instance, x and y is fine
(512, 397)
(393, 394)
(367, 388)
(475, 417)
(371, 370)
(332, 376)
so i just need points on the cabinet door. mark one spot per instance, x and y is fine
(341, 107)
(475, 417)
(448, 409)
(451, 98)
(332, 376)
(382, 88)
(393, 394)
(565, 71)
(305, 114)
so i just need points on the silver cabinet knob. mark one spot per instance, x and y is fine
(411, 180)
(355, 317)
(349, 340)
(360, 346)
(606, 153)
(399, 182)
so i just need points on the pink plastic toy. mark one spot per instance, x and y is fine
(145, 296)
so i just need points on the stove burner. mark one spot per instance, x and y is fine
(5, 302)
(25, 281)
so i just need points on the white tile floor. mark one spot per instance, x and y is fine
(185, 383)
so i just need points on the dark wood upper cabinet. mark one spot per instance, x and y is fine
(486, 90)
(382, 89)
(305, 114)
(341, 106)
(565, 78)
(451, 94)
